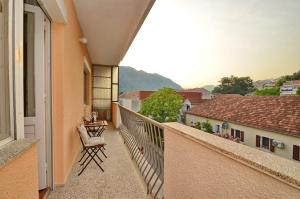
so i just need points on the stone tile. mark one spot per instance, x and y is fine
(120, 180)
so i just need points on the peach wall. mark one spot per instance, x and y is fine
(68, 105)
(193, 170)
(116, 117)
(19, 178)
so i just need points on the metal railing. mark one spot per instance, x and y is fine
(145, 139)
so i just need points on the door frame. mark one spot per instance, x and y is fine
(48, 80)
(47, 97)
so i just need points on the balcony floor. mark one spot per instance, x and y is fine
(120, 180)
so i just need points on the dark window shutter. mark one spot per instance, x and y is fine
(257, 141)
(296, 150)
(272, 148)
(242, 136)
(232, 132)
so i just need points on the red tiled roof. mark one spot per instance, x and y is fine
(292, 82)
(276, 114)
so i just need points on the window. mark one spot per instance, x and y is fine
(217, 128)
(238, 134)
(86, 88)
(86, 82)
(296, 152)
(29, 81)
(5, 75)
(265, 143)
(235, 133)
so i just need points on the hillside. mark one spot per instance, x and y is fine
(134, 80)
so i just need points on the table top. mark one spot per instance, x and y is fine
(97, 123)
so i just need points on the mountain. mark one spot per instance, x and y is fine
(134, 80)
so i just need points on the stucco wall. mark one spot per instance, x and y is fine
(116, 117)
(19, 178)
(194, 170)
(67, 83)
(250, 136)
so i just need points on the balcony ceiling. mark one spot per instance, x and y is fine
(110, 26)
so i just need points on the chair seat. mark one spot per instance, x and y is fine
(94, 141)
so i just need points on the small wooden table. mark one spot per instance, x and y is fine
(95, 129)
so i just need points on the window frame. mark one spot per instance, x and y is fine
(9, 38)
(86, 74)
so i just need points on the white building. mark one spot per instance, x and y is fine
(290, 87)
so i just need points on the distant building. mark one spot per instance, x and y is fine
(289, 87)
(269, 123)
(270, 85)
(262, 84)
(205, 93)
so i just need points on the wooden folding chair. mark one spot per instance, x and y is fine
(91, 147)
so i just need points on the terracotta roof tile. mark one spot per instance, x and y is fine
(276, 114)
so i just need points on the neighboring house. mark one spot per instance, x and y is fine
(261, 84)
(270, 123)
(133, 100)
(289, 87)
(205, 93)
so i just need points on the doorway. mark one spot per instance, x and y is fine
(37, 122)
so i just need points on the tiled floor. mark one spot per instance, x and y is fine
(120, 180)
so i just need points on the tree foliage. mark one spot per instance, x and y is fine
(298, 91)
(207, 127)
(268, 92)
(198, 125)
(163, 105)
(235, 85)
(282, 80)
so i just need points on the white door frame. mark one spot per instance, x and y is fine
(39, 121)
(48, 78)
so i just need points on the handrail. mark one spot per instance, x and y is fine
(143, 117)
(144, 138)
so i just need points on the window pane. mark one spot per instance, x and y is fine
(86, 88)
(115, 93)
(115, 76)
(238, 133)
(102, 82)
(102, 104)
(265, 142)
(5, 125)
(29, 86)
(102, 71)
(102, 93)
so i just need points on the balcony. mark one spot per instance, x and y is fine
(120, 179)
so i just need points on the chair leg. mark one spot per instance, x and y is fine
(85, 166)
(103, 153)
(82, 155)
(96, 153)
(92, 156)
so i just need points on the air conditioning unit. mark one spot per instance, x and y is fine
(278, 144)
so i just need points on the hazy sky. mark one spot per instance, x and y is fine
(196, 42)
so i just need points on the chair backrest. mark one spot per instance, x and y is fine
(84, 136)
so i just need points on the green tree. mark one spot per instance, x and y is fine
(282, 80)
(198, 125)
(235, 85)
(163, 105)
(268, 92)
(207, 127)
(298, 91)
